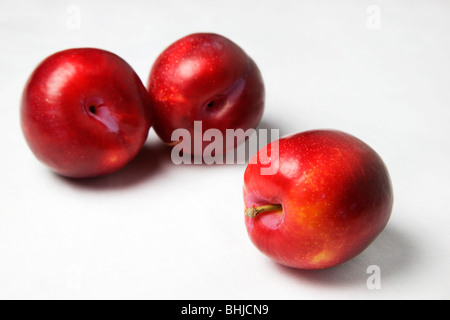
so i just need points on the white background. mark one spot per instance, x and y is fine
(159, 231)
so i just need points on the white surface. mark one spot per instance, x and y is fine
(160, 231)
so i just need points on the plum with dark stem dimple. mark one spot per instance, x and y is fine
(85, 112)
(205, 77)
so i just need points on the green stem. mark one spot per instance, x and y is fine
(254, 211)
